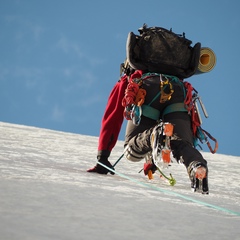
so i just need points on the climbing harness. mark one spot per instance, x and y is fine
(134, 98)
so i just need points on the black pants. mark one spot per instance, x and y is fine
(138, 139)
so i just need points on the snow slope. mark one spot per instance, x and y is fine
(46, 193)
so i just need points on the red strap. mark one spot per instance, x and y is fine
(188, 98)
(190, 107)
(213, 139)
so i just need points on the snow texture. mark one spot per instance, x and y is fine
(46, 193)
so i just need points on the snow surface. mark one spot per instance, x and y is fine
(46, 193)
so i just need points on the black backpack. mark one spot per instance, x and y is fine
(159, 50)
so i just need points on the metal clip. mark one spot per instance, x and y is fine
(136, 114)
(195, 99)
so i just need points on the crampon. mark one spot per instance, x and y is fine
(160, 157)
(198, 174)
(160, 141)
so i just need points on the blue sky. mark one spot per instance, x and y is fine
(60, 59)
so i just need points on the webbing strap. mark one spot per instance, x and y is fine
(154, 113)
(150, 112)
(175, 107)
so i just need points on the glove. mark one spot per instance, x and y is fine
(100, 169)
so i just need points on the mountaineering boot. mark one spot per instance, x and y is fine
(198, 174)
(160, 143)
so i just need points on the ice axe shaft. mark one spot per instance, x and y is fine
(118, 160)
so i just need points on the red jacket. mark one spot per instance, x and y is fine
(113, 116)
